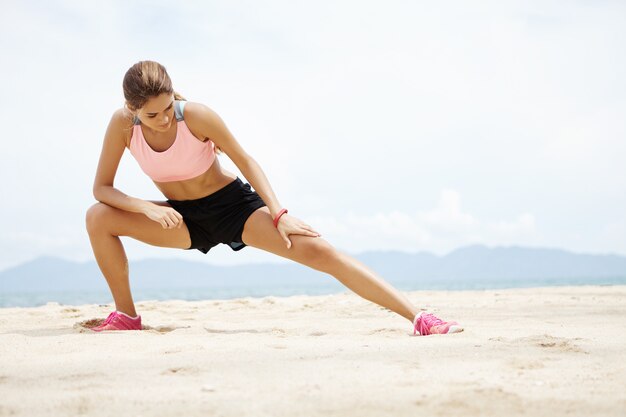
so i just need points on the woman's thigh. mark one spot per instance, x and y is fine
(315, 252)
(104, 218)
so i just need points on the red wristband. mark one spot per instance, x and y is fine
(278, 216)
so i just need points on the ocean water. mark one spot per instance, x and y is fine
(35, 299)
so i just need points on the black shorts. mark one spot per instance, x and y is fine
(219, 217)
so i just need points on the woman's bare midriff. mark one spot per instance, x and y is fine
(212, 180)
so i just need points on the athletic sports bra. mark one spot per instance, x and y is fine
(186, 158)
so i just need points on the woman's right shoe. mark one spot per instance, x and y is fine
(119, 321)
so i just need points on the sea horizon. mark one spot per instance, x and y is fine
(12, 299)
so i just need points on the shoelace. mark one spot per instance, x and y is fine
(425, 322)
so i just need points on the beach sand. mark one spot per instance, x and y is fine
(557, 351)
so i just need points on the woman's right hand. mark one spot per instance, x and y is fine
(165, 216)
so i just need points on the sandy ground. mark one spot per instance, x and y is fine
(537, 352)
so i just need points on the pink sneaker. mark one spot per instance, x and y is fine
(426, 323)
(119, 321)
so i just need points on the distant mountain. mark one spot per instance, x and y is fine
(474, 266)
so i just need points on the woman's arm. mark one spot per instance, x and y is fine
(210, 125)
(206, 122)
(110, 156)
(103, 188)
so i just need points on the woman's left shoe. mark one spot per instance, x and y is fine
(119, 321)
(425, 324)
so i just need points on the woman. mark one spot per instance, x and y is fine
(176, 143)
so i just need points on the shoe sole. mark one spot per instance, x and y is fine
(452, 329)
(455, 329)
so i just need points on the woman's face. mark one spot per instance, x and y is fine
(158, 112)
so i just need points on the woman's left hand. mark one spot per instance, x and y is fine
(289, 225)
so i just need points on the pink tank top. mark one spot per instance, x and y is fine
(186, 158)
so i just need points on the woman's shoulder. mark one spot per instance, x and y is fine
(204, 123)
(193, 116)
(123, 117)
(200, 116)
(195, 110)
(122, 121)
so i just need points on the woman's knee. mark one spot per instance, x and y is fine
(318, 253)
(96, 216)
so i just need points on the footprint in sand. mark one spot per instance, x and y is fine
(385, 331)
(547, 341)
(544, 341)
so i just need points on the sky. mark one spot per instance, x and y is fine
(397, 125)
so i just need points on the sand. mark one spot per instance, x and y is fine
(557, 351)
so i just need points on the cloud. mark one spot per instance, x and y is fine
(440, 229)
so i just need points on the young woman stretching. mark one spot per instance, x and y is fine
(175, 143)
